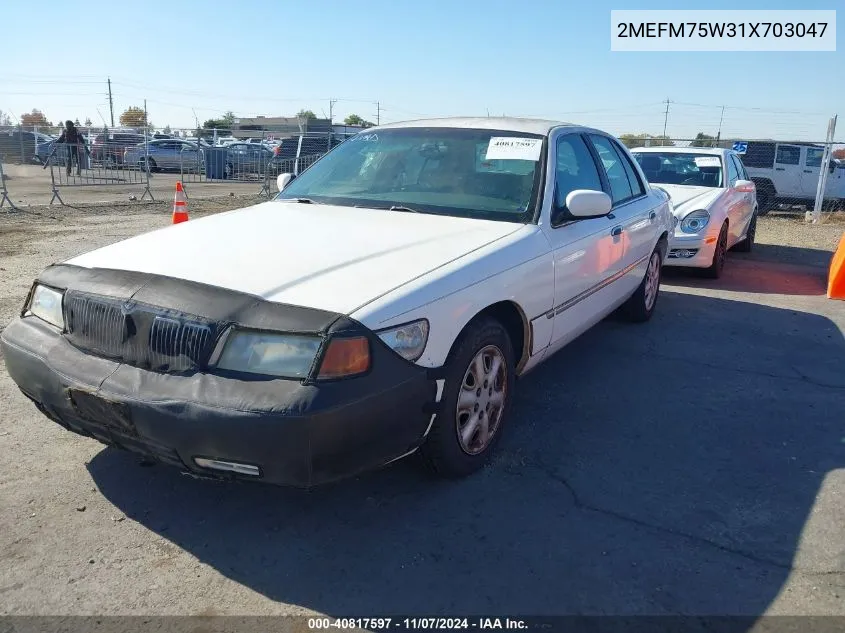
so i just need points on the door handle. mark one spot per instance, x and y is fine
(779, 169)
(808, 171)
(616, 230)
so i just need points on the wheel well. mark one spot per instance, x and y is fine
(516, 324)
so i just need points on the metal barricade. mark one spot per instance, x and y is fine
(109, 158)
(4, 193)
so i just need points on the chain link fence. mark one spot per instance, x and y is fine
(787, 174)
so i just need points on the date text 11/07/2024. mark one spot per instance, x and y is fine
(414, 624)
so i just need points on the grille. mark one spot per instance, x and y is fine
(140, 335)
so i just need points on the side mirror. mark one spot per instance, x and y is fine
(745, 186)
(284, 180)
(586, 203)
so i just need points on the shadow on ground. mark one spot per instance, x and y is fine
(768, 270)
(666, 468)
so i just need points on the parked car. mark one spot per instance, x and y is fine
(788, 173)
(166, 154)
(713, 199)
(21, 146)
(109, 149)
(285, 153)
(246, 158)
(383, 303)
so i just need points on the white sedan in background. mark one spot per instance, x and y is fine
(384, 302)
(714, 201)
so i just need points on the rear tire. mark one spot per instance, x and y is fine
(476, 399)
(640, 306)
(714, 271)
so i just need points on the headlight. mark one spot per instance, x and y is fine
(46, 304)
(407, 340)
(695, 221)
(284, 355)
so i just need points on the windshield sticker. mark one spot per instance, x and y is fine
(707, 161)
(512, 148)
(366, 137)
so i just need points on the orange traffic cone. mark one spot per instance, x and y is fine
(180, 204)
(836, 275)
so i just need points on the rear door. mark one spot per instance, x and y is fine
(787, 176)
(633, 211)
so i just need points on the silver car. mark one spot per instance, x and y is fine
(166, 154)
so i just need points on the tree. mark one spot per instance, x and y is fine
(703, 140)
(133, 117)
(88, 122)
(354, 119)
(36, 117)
(229, 118)
(166, 129)
(641, 140)
(4, 118)
(305, 114)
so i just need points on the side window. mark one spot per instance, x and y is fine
(620, 188)
(637, 188)
(788, 155)
(733, 172)
(742, 173)
(814, 156)
(574, 168)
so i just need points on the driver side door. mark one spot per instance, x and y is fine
(587, 251)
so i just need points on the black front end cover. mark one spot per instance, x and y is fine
(153, 391)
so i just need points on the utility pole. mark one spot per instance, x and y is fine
(111, 103)
(378, 113)
(331, 109)
(145, 114)
(719, 133)
(665, 118)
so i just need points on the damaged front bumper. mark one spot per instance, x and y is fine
(282, 431)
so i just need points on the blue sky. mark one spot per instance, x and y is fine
(460, 57)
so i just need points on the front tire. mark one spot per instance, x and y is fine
(640, 306)
(714, 271)
(478, 390)
(747, 245)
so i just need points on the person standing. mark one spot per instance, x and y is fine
(73, 138)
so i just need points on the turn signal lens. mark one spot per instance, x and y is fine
(345, 357)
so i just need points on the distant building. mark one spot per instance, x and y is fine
(280, 126)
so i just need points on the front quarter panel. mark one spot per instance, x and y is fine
(518, 268)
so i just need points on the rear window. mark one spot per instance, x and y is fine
(759, 155)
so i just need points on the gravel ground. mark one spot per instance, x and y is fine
(709, 479)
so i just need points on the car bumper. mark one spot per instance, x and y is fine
(692, 251)
(277, 431)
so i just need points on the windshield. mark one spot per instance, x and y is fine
(675, 168)
(487, 174)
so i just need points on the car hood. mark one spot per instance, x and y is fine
(320, 256)
(686, 198)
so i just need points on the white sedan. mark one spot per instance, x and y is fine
(383, 302)
(714, 201)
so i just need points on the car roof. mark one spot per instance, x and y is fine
(510, 124)
(716, 151)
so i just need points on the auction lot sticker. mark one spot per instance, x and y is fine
(514, 148)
